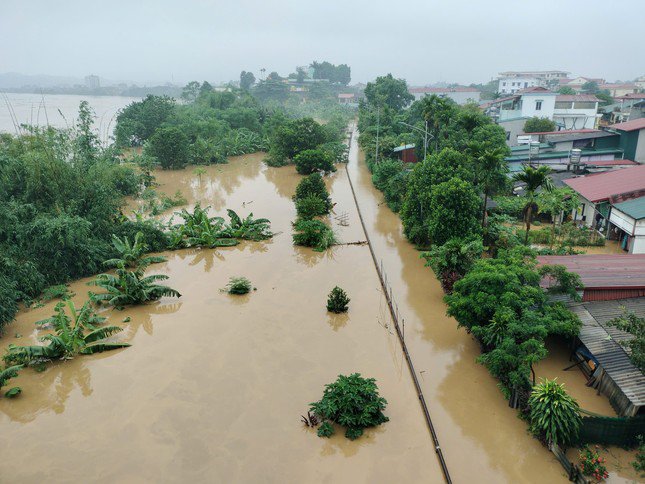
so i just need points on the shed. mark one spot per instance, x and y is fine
(614, 375)
(406, 153)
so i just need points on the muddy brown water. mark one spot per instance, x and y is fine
(214, 385)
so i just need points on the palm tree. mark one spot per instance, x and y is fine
(491, 169)
(534, 178)
(70, 337)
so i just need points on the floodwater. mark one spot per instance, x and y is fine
(214, 385)
(59, 110)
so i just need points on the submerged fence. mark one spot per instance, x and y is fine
(399, 325)
(621, 431)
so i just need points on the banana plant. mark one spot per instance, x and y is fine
(132, 254)
(8, 373)
(248, 228)
(74, 334)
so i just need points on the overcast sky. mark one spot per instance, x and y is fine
(424, 41)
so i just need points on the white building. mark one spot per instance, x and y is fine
(542, 76)
(459, 94)
(92, 82)
(629, 217)
(510, 85)
(576, 111)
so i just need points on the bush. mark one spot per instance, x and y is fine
(337, 301)
(313, 233)
(554, 414)
(310, 207)
(169, 145)
(313, 185)
(238, 285)
(353, 402)
(592, 464)
(153, 236)
(452, 260)
(8, 300)
(639, 463)
(310, 161)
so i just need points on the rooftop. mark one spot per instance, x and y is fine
(404, 147)
(632, 95)
(630, 125)
(573, 136)
(603, 342)
(602, 186)
(611, 85)
(577, 98)
(602, 271)
(439, 90)
(346, 95)
(536, 90)
(634, 208)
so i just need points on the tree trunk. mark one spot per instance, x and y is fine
(529, 212)
(532, 373)
(484, 210)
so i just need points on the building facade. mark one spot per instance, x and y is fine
(460, 94)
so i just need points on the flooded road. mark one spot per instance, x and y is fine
(213, 386)
(483, 440)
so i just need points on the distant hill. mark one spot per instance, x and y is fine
(15, 79)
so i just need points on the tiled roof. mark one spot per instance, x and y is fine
(630, 125)
(576, 97)
(617, 86)
(632, 95)
(602, 271)
(535, 90)
(602, 186)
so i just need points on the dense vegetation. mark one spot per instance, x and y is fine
(337, 301)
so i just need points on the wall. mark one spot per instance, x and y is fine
(520, 83)
(515, 127)
(589, 211)
(547, 109)
(640, 148)
(576, 118)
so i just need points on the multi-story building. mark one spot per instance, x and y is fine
(542, 76)
(459, 94)
(510, 85)
(92, 82)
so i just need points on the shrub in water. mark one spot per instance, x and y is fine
(313, 185)
(310, 161)
(337, 301)
(238, 285)
(310, 207)
(313, 233)
(554, 413)
(592, 464)
(353, 402)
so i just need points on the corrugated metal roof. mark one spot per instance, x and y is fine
(632, 125)
(634, 208)
(560, 138)
(401, 148)
(601, 271)
(602, 186)
(603, 342)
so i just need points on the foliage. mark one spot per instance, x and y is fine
(132, 254)
(247, 79)
(639, 463)
(169, 146)
(313, 186)
(390, 176)
(592, 464)
(337, 300)
(452, 260)
(294, 137)
(554, 414)
(74, 334)
(353, 402)
(310, 161)
(533, 179)
(538, 125)
(635, 326)
(238, 285)
(138, 121)
(310, 207)
(455, 208)
(313, 233)
(388, 91)
(566, 90)
(13, 392)
(565, 282)
(8, 373)
(340, 74)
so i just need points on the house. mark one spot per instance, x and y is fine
(569, 112)
(406, 153)
(544, 78)
(604, 277)
(459, 94)
(603, 359)
(577, 83)
(510, 85)
(620, 89)
(629, 217)
(632, 138)
(347, 99)
(598, 192)
(626, 108)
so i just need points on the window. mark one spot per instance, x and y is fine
(526, 84)
(538, 105)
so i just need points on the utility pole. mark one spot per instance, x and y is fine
(425, 136)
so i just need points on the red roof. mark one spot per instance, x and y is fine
(617, 86)
(632, 125)
(602, 186)
(576, 97)
(632, 95)
(616, 162)
(602, 271)
(569, 131)
(535, 89)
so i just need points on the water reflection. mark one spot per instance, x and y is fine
(337, 321)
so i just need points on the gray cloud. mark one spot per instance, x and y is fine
(422, 41)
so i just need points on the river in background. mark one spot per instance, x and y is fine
(59, 110)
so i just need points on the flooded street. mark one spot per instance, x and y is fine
(213, 386)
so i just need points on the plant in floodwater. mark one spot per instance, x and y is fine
(74, 334)
(337, 301)
(351, 401)
(9, 373)
(248, 228)
(13, 392)
(313, 233)
(238, 285)
(554, 414)
(131, 254)
(310, 207)
(592, 464)
(639, 463)
(313, 186)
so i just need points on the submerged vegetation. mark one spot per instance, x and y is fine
(238, 285)
(352, 402)
(337, 301)
(313, 233)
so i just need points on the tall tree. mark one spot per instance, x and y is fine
(388, 91)
(533, 178)
(247, 79)
(490, 174)
(455, 206)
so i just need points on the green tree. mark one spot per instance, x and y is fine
(533, 179)
(337, 300)
(590, 87)
(313, 233)
(169, 146)
(313, 186)
(538, 125)
(635, 326)
(452, 260)
(309, 161)
(247, 79)
(388, 91)
(353, 402)
(491, 170)
(557, 202)
(554, 414)
(293, 137)
(566, 90)
(455, 208)
(139, 120)
(190, 92)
